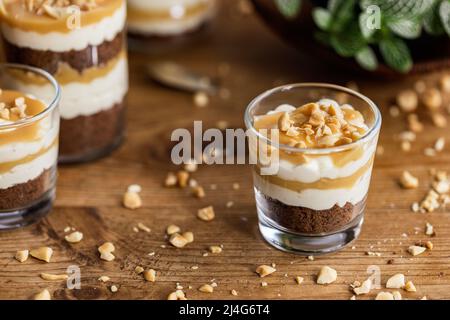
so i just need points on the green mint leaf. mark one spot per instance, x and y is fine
(399, 9)
(348, 42)
(408, 29)
(367, 58)
(432, 20)
(342, 12)
(366, 25)
(322, 18)
(289, 8)
(444, 11)
(396, 54)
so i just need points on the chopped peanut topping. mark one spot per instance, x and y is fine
(132, 200)
(384, 296)
(215, 249)
(432, 98)
(171, 180)
(365, 287)
(199, 192)
(189, 236)
(183, 178)
(139, 269)
(409, 286)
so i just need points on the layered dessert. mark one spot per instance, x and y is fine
(28, 150)
(167, 18)
(81, 43)
(323, 171)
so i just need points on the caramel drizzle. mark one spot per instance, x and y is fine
(16, 16)
(147, 15)
(67, 75)
(7, 166)
(322, 184)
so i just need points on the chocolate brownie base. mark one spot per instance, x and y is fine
(309, 221)
(84, 136)
(79, 60)
(24, 194)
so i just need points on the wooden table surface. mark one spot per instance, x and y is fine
(89, 195)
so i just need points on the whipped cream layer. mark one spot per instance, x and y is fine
(176, 22)
(17, 152)
(85, 99)
(319, 182)
(77, 39)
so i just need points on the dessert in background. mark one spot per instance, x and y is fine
(324, 158)
(29, 128)
(81, 43)
(151, 19)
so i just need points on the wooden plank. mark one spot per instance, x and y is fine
(89, 195)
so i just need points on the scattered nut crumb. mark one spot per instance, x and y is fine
(171, 180)
(408, 181)
(114, 288)
(416, 250)
(106, 250)
(199, 192)
(429, 245)
(172, 229)
(397, 295)
(365, 287)
(201, 99)
(409, 286)
(43, 295)
(143, 227)
(150, 275)
(189, 236)
(104, 279)
(177, 295)
(206, 288)
(138, 269)
(178, 240)
(326, 275)
(384, 296)
(234, 293)
(432, 98)
(22, 255)
(54, 277)
(132, 200)
(299, 279)
(43, 253)
(397, 281)
(191, 166)
(183, 178)
(265, 270)
(206, 214)
(429, 229)
(408, 100)
(74, 237)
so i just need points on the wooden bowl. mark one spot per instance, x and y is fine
(429, 53)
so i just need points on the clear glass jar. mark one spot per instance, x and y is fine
(311, 200)
(28, 144)
(85, 50)
(158, 25)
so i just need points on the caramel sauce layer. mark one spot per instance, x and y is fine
(7, 166)
(322, 184)
(146, 15)
(27, 132)
(66, 74)
(16, 15)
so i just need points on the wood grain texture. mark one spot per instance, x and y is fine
(89, 195)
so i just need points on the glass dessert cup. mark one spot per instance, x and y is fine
(28, 145)
(309, 200)
(88, 60)
(162, 25)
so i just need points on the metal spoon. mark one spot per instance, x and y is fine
(176, 76)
